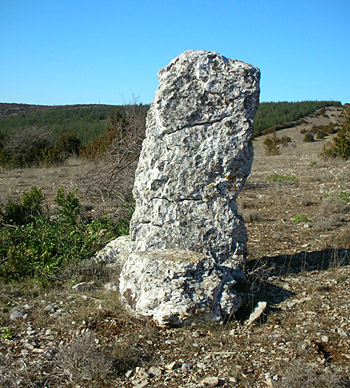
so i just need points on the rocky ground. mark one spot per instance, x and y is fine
(297, 214)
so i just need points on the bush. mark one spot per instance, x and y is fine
(309, 138)
(320, 135)
(33, 147)
(24, 148)
(65, 146)
(341, 142)
(25, 211)
(38, 245)
(271, 145)
(120, 147)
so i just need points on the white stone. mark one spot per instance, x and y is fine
(176, 287)
(18, 313)
(196, 157)
(189, 242)
(257, 313)
(115, 252)
(211, 381)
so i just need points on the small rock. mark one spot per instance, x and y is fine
(111, 287)
(172, 365)
(30, 331)
(342, 332)
(324, 339)
(38, 350)
(186, 366)
(18, 313)
(154, 371)
(129, 373)
(84, 286)
(258, 311)
(49, 309)
(140, 383)
(141, 373)
(210, 381)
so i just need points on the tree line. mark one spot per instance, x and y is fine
(49, 136)
(274, 114)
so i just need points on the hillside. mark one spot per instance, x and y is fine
(85, 121)
(296, 208)
(89, 121)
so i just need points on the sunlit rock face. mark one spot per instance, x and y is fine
(195, 159)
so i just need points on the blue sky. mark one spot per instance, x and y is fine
(57, 52)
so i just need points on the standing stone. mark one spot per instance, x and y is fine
(195, 159)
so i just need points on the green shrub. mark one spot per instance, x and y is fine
(320, 135)
(309, 138)
(341, 142)
(65, 146)
(344, 196)
(38, 245)
(301, 218)
(271, 145)
(24, 148)
(25, 211)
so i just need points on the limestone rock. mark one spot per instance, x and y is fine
(176, 287)
(258, 312)
(189, 241)
(196, 157)
(115, 252)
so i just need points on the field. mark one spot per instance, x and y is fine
(296, 207)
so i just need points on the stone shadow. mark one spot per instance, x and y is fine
(259, 271)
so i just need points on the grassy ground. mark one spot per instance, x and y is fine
(297, 215)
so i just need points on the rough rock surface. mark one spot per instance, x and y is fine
(115, 252)
(176, 287)
(195, 159)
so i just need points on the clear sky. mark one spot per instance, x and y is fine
(56, 52)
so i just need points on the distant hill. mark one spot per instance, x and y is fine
(86, 121)
(280, 115)
(89, 121)
(13, 109)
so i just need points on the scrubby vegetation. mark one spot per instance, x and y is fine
(341, 142)
(36, 147)
(48, 135)
(37, 243)
(272, 143)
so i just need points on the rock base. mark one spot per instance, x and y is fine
(177, 287)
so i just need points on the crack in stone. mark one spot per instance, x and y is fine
(210, 122)
(198, 199)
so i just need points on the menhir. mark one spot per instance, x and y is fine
(195, 159)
